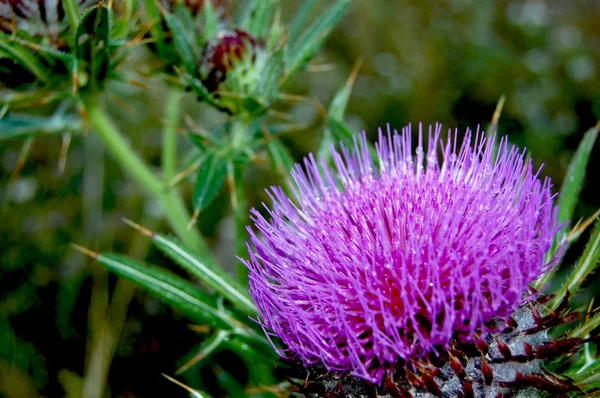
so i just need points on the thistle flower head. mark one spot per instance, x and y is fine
(376, 264)
(220, 55)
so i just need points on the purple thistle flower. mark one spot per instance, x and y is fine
(375, 265)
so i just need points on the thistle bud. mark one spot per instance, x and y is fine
(221, 54)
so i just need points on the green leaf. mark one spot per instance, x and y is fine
(313, 37)
(152, 13)
(92, 42)
(123, 24)
(211, 21)
(584, 266)
(300, 18)
(256, 17)
(206, 271)
(72, 12)
(175, 291)
(341, 132)
(336, 111)
(282, 160)
(23, 56)
(269, 78)
(210, 179)
(182, 44)
(15, 126)
(569, 196)
(204, 351)
(569, 192)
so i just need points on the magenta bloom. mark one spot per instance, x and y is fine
(391, 259)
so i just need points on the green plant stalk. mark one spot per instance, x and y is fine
(171, 203)
(72, 11)
(169, 142)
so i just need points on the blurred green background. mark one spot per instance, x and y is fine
(444, 61)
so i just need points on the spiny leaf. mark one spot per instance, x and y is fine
(336, 111)
(211, 21)
(584, 266)
(182, 44)
(170, 288)
(569, 192)
(211, 346)
(191, 391)
(256, 17)
(313, 37)
(22, 126)
(72, 12)
(92, 42)
(203, 269)
(300, 18)
(341, 132)
(210, 179)
(23, 56)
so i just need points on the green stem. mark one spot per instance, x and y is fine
(171, 204)
(169, 143)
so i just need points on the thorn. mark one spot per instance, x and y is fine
(193, 219)
(320, 108)
(293, 97)
(138, 227)
(232, 188)
(486, 372)
(184, 173)
(354, 72)
(197, 358)
(180, 384)
(579, 229)
(199, 328)
(498, 110)
(320, 68)
(504, 350)
(64, 152)
(85, 251)
(21, 161)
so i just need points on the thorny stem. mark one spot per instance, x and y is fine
(171, 203)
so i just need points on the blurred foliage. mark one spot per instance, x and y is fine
(447, 61)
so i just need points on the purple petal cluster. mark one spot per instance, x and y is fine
(390, 259)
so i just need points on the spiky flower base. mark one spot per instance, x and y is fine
(509, 363)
